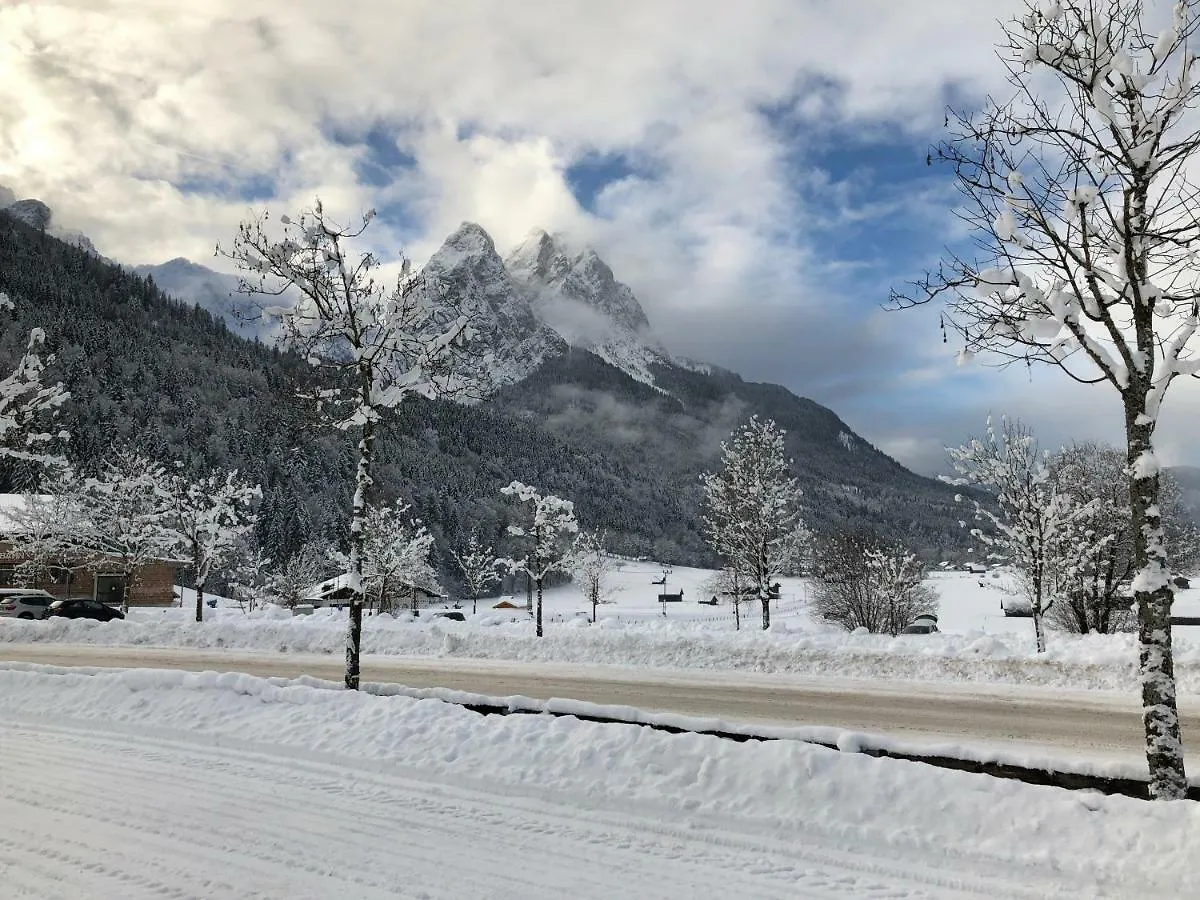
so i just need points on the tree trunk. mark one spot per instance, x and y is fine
(199, 601)
(1153, 595)
(1039, 630)
(539, 608)
(474, 604)
(737, 613)
(362, 480)
(766, 606)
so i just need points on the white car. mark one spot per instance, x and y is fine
(24, 603)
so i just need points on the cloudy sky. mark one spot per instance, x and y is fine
(754, 170)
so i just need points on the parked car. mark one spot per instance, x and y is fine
(1018, 607)
(84, 608)
(23, 603)
(922, 624)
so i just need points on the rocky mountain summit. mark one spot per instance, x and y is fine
(545, 297)
(38, 215)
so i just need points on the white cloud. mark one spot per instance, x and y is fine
(141, 122)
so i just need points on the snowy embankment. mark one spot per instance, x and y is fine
(1103, 662)
(775, 819)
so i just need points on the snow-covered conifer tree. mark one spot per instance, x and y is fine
(1034, 526)
(545, 536)
(590, 566)
(210, 517)
(27, 405)
(477, 562)
(379, 343)
(753, 510)
(1080, 194)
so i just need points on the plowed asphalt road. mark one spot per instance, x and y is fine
(1098, 725)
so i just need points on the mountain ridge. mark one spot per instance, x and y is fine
(172, 377)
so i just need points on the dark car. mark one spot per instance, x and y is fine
(923, 624)
(84, 609)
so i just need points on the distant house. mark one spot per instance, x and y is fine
(336, 591)
(79, 574)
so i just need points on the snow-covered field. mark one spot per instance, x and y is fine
(142, 783)
(978, 643)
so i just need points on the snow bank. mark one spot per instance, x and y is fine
(787, 788)
(1106, 662)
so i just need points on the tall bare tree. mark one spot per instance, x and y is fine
(1033, 523)
(1079, 191)
(377, 343)
(591, 566)
(545, 535)
(478, 564)
(210, 516)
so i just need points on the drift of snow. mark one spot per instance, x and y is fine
(619, 810)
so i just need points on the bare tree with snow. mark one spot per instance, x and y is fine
(210, 516)
(290, 581)
(728, 582)
(477, 562)
(124, 518)
(27, 406)
(378, 343)
(863, 581)
(545, 537)
(590, 566)
(753, 510)
(247, 578)
(1033, 525)
(1096, 599)
(396, 550)
(1080, 194)
(43, 527)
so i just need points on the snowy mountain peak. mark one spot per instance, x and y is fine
(470, 239)
(578, 296)
(468, 267)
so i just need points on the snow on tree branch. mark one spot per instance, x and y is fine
(545, 534)
(753, 509)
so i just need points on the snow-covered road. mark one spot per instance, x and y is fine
(1099, 725)
(145, 784)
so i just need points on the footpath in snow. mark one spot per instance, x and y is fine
(221, 786)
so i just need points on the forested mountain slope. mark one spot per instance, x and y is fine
(172, 379)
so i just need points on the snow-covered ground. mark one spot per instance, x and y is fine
(978, 643)
(142, 783)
